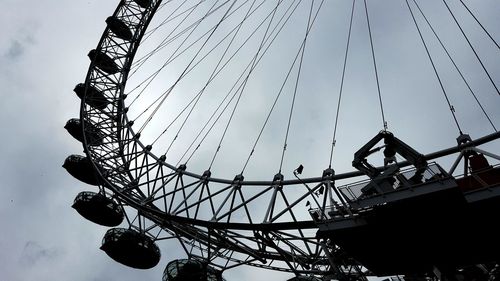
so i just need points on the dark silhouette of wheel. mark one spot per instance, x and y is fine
(179, 92)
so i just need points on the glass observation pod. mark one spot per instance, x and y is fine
(98, 208)
(103, 62)
(94, 98)
(92, 133)
(119, 28)
(131, 248)
(190, 270)
(80, 167)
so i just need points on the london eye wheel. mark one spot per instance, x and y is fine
(328, 139)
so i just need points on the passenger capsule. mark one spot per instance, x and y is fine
(94, 97)
(80, 167)
(92, 133)
(103, 62)
(98, 208)
(131, 248)
(143, 3)
(119, 28)
(189, 269)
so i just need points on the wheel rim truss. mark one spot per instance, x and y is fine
(141, 180)
(218, 220)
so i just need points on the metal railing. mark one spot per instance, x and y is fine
(353, 192)
(400, 180)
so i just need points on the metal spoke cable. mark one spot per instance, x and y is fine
(214, 72)
(185, 69)
(290, 69)
(177, 52)
(180, 53)
(242, 88)
(279, 92)
(214, 75)
(456, 66)
(375, 68)
(170, 38)
(234, 85)
(450, 106)
(478, 22)
(472, 48)
(161, 97)
(297, 79)
(334, 138)
(172, 16)
(146, 82)
(276, 33)
(193, 100)
(175, 56)
(214, 48)
(214, 113)
(208, 122)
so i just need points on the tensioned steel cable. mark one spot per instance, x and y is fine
(455, 65)
(242, 89)
(297, 79)
(375, 67)
(177, 52)
(190, 69)
(452, 109)
(201, 60)
(334, 138)
(472, 47)
(173, 56)
(168, 18)
(138, 63)
(478, 22)
(171, 37)
(275, 100)
(215, 121)
(214, 72)
(186, 68)
(290, 11)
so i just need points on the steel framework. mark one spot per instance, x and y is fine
(226, 222)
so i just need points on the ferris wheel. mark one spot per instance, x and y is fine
(297, 136)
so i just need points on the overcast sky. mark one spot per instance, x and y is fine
(43, 54)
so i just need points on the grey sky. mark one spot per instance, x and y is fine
(43, 55)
